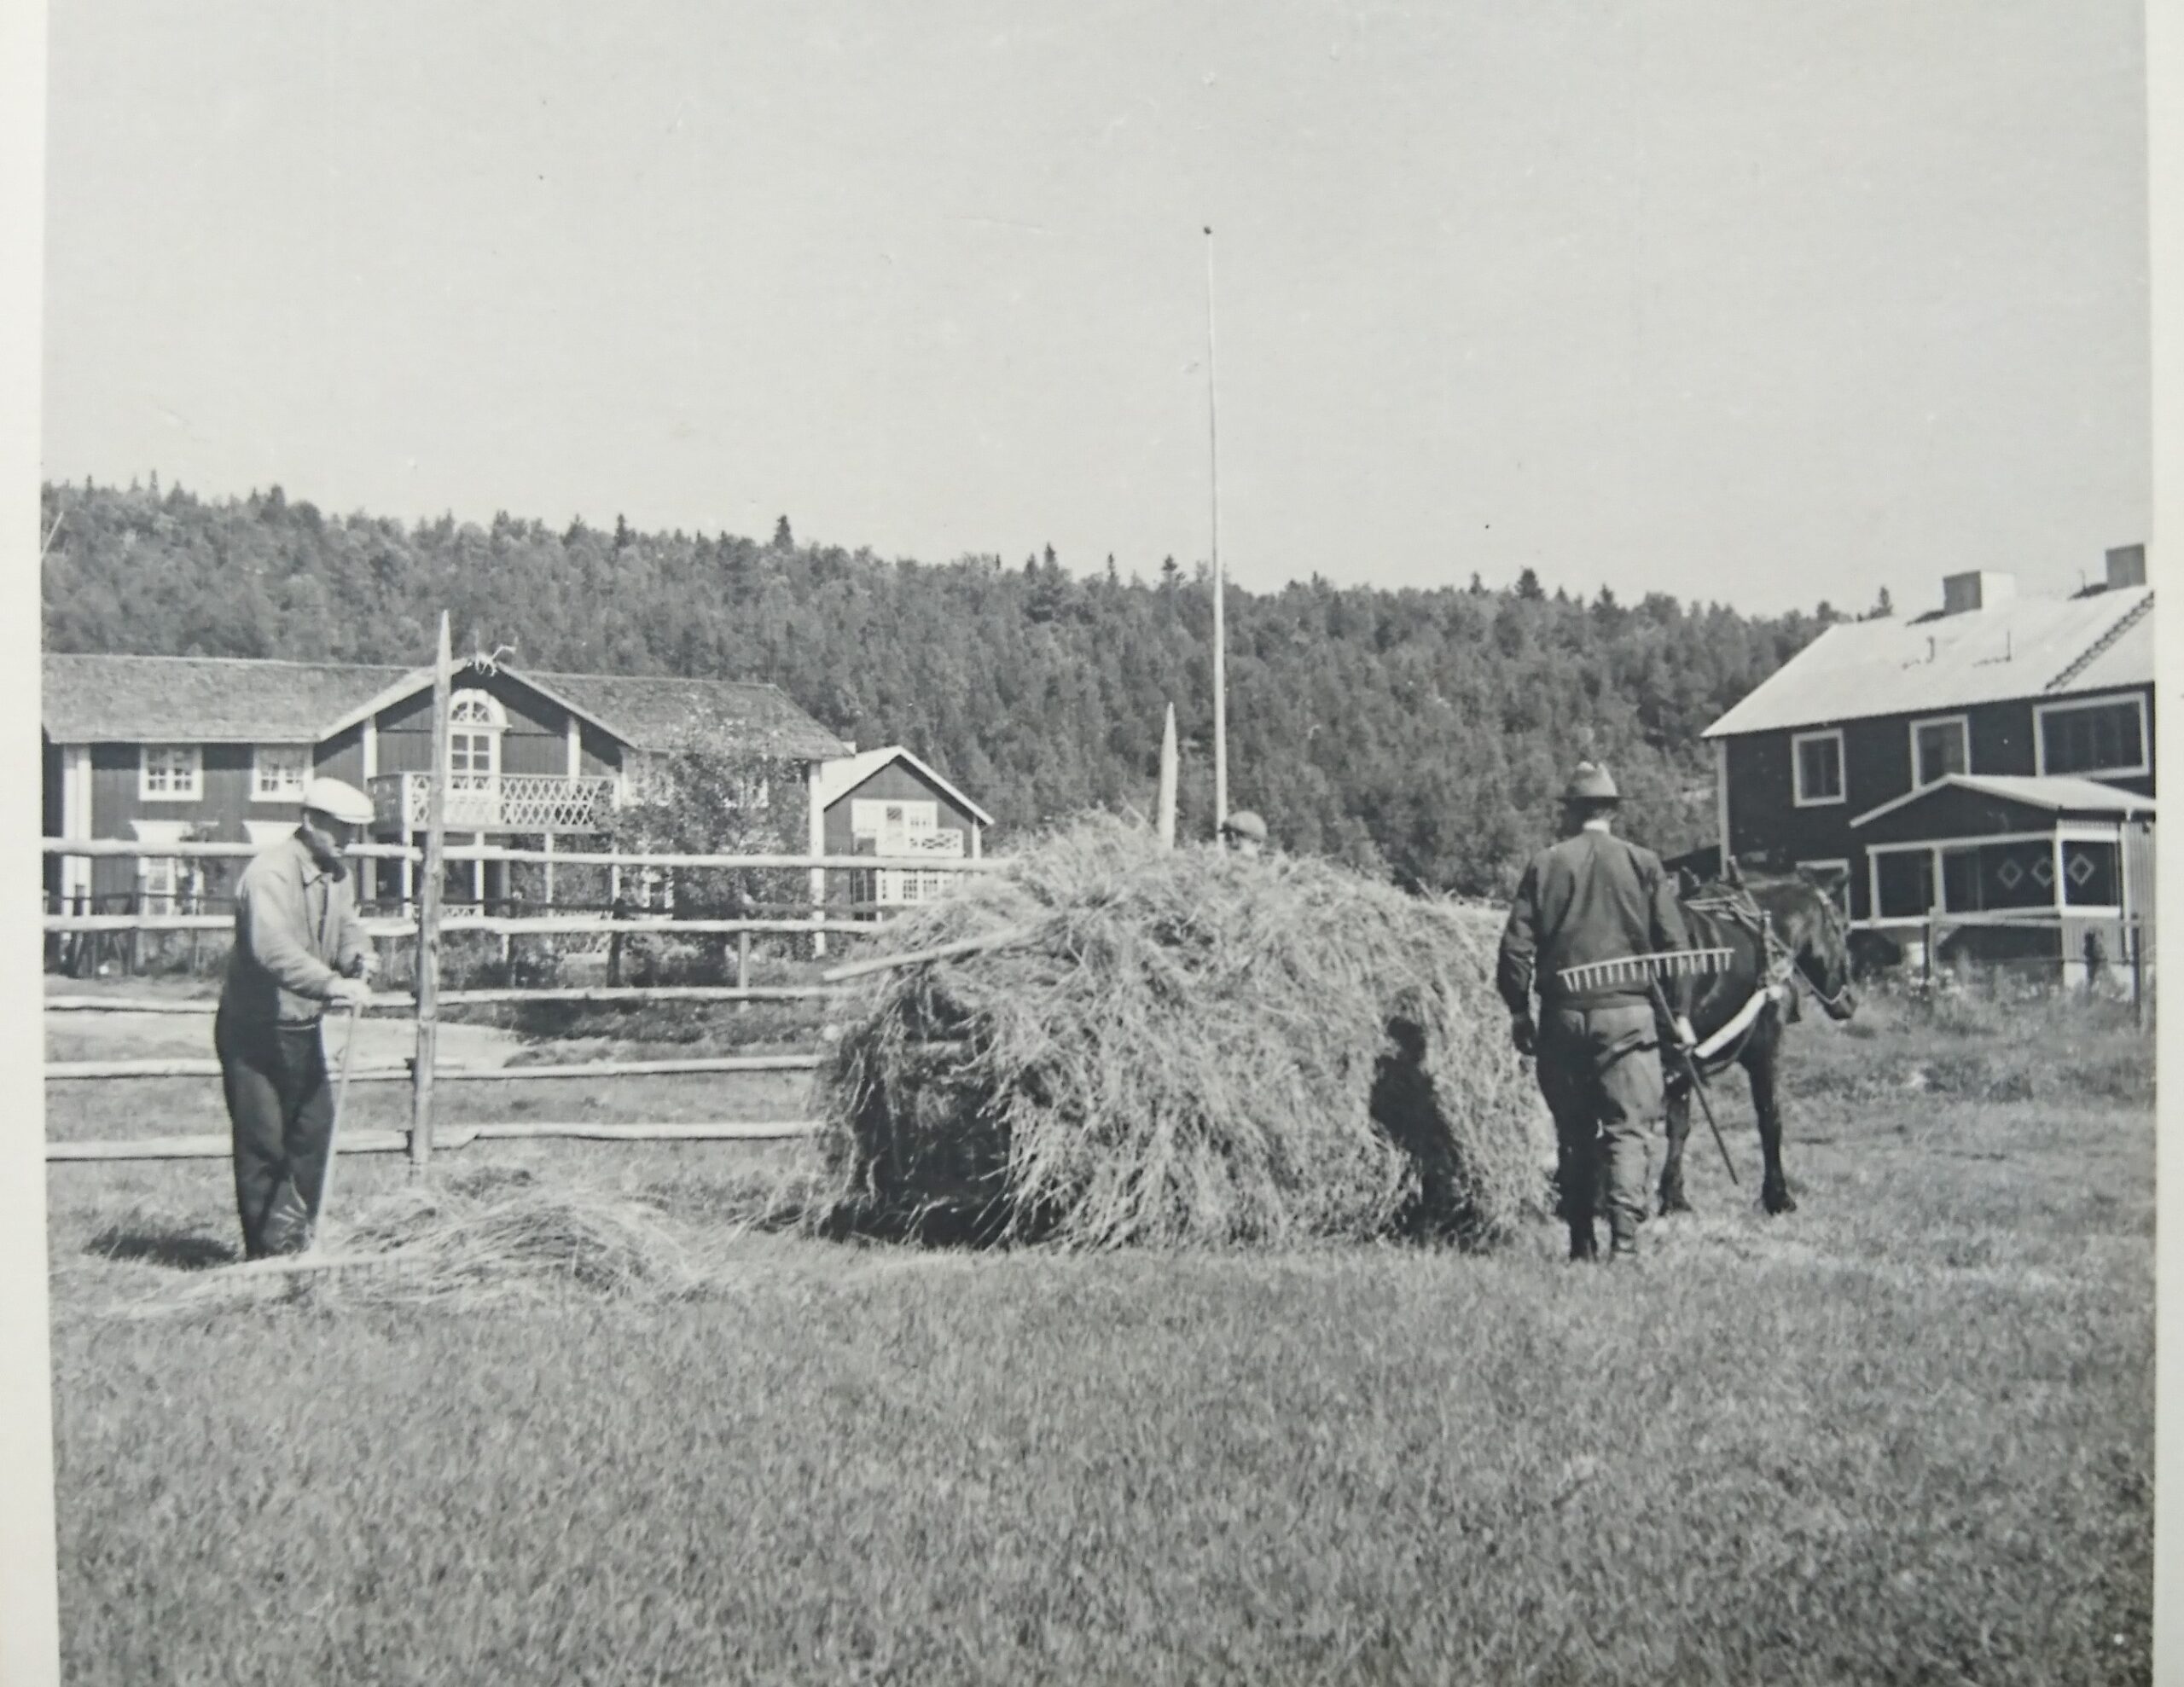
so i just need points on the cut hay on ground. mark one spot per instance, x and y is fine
(481, 1238)
(1185, 1048)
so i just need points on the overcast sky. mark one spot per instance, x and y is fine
(1765, 303)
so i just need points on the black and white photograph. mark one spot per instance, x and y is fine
(995, 843)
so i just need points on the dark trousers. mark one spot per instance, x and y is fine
(1599, 1069)
(280, 1109)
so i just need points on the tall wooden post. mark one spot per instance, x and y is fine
(1164, 808)
(428, 920)
(1220, 593)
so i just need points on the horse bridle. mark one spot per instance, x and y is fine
(1782, 963)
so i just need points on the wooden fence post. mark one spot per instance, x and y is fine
(428, 922)
(2137, 938)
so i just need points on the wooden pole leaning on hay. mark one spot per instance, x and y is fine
(886, 962)
(428, 919)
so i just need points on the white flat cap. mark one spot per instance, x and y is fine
(338, 801)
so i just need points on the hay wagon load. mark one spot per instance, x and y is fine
(1133, 1045)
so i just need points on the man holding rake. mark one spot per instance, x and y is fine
(299, 946)
(1595, 926)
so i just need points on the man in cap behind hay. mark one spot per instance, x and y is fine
(299, 946)
(1591, 899)
(1245, 832)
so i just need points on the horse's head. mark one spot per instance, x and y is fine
(1812, 927)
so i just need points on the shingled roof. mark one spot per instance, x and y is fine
(201, 700)
(656, 714)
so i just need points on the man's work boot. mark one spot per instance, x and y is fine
(287, 1228)
(1582, 1243)
(1623, 1247)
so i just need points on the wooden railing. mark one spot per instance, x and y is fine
(519, 802)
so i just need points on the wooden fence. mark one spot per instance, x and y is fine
(424, 1070)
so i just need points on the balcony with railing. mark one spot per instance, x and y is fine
(898, 885)
(518, 802)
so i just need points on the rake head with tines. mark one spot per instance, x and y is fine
(1642, 970)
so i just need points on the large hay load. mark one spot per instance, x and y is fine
(1181, 1047)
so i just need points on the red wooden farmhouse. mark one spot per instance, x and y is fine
(888, 803)
(161, 749)
(1985, 771)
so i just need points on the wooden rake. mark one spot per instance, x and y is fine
(1649, 970)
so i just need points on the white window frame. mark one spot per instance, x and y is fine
(258, 769)
(195, 754)
(1963, 725)
(2041, 711)
(2064, 838)
(1797, 798)
(1834, 862)
(1933, 854)
(164, 883)
(470, 725)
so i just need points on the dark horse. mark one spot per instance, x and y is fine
(1782, 935)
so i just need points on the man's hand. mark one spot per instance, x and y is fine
(1686, 1038)
(1523, 1034)
(349, 993)
(362, 966)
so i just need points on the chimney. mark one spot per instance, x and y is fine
(2127, 567)
(1982, 589)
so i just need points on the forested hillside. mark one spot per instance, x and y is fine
(1421, 730)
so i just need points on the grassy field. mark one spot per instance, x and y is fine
(1905, 1434)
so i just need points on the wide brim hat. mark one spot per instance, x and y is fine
(1590, 783)
(1245, 823)
(338, 801)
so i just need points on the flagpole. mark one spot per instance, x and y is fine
(1220, 638)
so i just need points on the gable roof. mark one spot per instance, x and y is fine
(204, 699)
(2026, 647)
(2059, 793)
(840, 777)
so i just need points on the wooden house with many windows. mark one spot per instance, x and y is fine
(1985, 771)
(172, 749)
(888, 802)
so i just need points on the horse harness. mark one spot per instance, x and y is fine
(1779, 979)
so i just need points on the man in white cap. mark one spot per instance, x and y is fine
(299, 946)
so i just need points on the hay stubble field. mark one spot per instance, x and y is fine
(1903, 1434)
